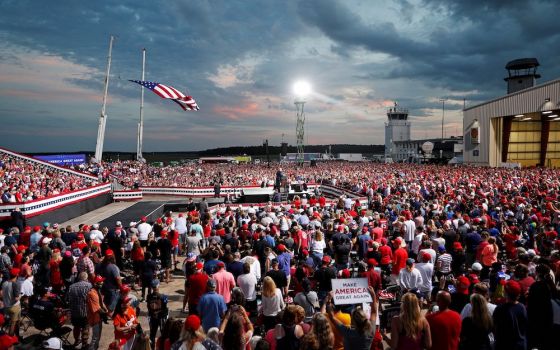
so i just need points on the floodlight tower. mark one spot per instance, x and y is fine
(301, 89)
(103, 116)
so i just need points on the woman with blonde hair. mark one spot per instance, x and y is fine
(272, 302)
(410, 330)
(321, 335)
(318, 246)
(476, 328)
(55, 275)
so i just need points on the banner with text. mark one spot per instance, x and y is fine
(351, 291)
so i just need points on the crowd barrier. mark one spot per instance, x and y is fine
(41, 206)
(42, 162)
(127, 195)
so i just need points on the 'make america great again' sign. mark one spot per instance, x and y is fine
(351, 291)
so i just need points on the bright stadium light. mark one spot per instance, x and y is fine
(302, 88)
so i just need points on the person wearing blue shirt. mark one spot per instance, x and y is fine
(211, 307)
(210, 265)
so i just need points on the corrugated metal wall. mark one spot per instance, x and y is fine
(525, 101)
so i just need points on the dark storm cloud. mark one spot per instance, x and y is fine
(466, 54)
(240, 58)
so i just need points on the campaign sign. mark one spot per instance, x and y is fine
(64, 159)
(350, 291)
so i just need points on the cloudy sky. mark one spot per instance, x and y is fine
(240, 58)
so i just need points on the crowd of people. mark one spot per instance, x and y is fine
(454, 258)
(22, 180)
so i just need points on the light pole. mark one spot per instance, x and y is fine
(301, 89)
(442, 100)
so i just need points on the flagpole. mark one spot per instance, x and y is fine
(103, 116)
(141, 123)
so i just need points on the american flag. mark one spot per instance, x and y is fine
(169, 92)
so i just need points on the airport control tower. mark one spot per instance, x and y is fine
(397, 128)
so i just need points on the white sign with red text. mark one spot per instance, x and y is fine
(351, 291)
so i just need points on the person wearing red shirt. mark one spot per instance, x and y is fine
(197, 287)
(510, 238)
(25, 236)
(386, 254)
(445, 324)
(399, 257)
(225, 282)
(373, 277)
(377, 232)
(302, 240)
(312, 201)
(322, 201)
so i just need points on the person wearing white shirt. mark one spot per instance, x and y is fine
(181, 228)
(417, 241)
(481, 289)
(409, 277)
(255, 266)
(409, 230)
(27, 287)
(248, 284)
(426, 247)
(144, 229)
(426, 269)
(96, 235)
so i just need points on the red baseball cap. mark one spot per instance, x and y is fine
(159, 220)
(513, 288)
(80, 236)
(199, 265)
(6, 341)
(109, 252)
(426, 256)
(21, 248)
(164, 233)
(457, 246)
(305, 252)
(14, 272)
(125, 288)
(345, 273)
(327, 259)
(98, 279)
(463, 284)
(281, 247)
(220, 264)
(372, 262)
(143, 218)
(192, 323)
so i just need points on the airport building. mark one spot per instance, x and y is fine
(521, 128)
(399, 147)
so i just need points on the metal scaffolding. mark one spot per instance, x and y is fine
(300, 130)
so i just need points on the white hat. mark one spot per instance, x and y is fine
(47, 240)
(53, 343)
(95, 226)
(476, 267)
(118, 223)
(132, 224)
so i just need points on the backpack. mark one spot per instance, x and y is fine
(156, 306)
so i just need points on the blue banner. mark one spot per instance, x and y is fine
(64, 159)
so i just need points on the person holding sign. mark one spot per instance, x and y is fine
(359, 336)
